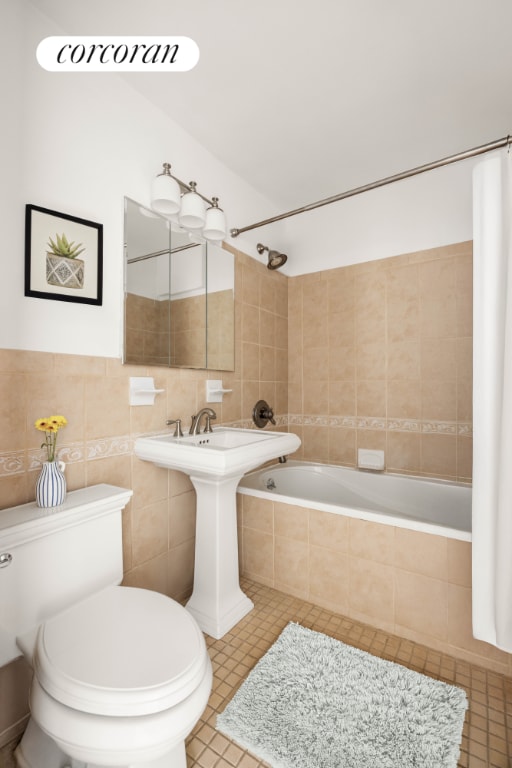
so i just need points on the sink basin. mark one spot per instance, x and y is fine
(225, 452)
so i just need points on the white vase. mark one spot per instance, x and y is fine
(51, 484)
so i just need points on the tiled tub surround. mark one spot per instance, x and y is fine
(409, 583)
(380, 356)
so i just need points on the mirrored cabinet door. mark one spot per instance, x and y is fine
(179, 296)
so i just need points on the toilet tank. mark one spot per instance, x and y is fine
(53, 557)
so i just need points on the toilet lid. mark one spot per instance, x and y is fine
(124, 651)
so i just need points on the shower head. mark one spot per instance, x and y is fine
(275, 259)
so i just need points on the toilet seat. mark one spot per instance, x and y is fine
(124, 651)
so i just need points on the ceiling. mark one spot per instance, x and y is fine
(308, 99)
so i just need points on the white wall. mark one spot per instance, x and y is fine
(86, 141)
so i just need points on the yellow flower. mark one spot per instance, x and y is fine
(50, 426)
(42, 424)
(58, 421)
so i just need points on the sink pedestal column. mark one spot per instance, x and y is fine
(217, 602)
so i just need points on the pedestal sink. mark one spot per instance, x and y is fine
(215, 463)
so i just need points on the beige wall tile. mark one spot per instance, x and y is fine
(48, 394)
(149, 483)
(180, 570)
(258, 554)
(371, 589)
(421, 604)
(341, 324)
(182, 519)
(372, 541)
(107, 410)
(371, 360)
(149, 528)
(403, 451)
(316, 443)
(258, 513)
(403, 319)
(316, 396)
(422, 553)
(403, 361)
(329, 578)
(404, 399)
(13, 405)
(439, 359)
(115, 470)
(342, 398)
(342, 363)
(439, 400)
(464, 458)
(371, 397)
(373, 439)
(439, 455)
(438, 317)
(459, 562)
(314, 363)
(291, 522)
(342, 446)
(152, 574)
(327, 530)
(291, 565)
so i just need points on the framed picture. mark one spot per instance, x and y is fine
(63, 257)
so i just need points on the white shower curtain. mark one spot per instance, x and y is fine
(492, 400)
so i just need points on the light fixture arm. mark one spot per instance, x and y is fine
(190, 187)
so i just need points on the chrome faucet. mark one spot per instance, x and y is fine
(196, 421)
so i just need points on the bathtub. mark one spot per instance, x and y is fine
(431, 506)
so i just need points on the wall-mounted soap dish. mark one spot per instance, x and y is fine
(215, 391)
(142, 390)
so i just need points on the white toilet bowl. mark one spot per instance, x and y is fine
(120, 679)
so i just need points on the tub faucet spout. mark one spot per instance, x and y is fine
(196, 421)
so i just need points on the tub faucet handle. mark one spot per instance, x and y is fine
(262, 413)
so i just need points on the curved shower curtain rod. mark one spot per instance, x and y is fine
(506, 140)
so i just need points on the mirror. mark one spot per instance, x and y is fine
(179, 296)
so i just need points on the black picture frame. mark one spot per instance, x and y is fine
(58, 278)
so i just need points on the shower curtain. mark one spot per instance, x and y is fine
(492, 400)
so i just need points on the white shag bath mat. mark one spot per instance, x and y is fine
(314, 702)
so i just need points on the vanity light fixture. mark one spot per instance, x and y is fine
(183, 203)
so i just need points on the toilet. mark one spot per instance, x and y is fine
(121, 674)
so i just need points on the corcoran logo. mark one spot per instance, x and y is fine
(117, 54)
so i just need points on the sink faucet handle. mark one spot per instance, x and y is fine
(178, 431)
(209, 417)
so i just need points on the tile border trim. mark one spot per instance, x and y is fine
(18, 462)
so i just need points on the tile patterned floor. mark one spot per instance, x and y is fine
(487, 734)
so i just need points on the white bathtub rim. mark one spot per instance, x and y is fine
(393, 519)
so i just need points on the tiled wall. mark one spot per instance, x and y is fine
(380, 356)
(416, 585)
(92, 392)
